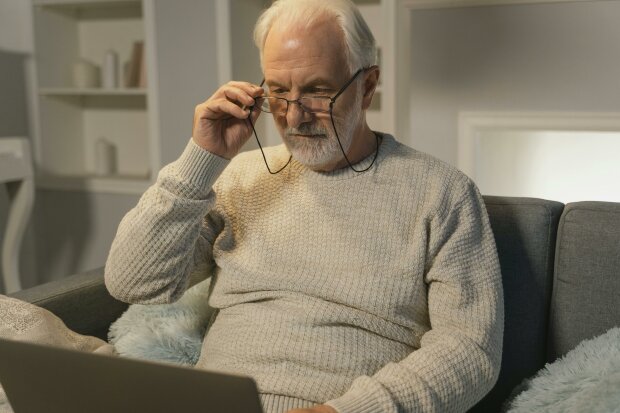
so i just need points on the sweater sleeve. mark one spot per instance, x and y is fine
(165, 241)
(459, 358)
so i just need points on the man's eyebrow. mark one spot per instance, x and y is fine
(310, 84)
(273, 83)
(318, 82)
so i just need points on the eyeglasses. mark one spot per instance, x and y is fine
(310, 104)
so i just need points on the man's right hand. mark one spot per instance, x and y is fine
(220, 123)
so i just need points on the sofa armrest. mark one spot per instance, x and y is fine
(81, 301)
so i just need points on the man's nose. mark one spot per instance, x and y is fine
(296, 115)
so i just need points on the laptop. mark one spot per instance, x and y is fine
(39, 378)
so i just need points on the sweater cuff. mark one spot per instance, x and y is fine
(199, 168)
(357, 401)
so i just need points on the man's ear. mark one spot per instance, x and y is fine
(371, 80)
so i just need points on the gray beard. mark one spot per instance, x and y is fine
(321, 150)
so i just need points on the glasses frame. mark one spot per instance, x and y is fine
(332, 100)
(330, 111)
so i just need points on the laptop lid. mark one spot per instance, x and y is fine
(39, 378)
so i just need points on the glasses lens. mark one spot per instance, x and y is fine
(315, 104)
(273, 105)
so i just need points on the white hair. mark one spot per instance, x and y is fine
(361, 48)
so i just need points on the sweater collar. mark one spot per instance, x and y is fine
(295, 168)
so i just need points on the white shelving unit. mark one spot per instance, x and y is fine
(71, 119)
(70, 91)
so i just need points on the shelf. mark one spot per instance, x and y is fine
(70, 91)
(83, 4)
(91, 10)
(120, 184)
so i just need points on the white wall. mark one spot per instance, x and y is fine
(15, 49)
(14, 31)
(549, 164)
(547, 57)
(190, 84)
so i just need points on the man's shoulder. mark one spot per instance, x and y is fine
(439, 186)
(410, 163)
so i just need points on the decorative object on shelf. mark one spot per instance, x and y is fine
(142, 75)
(379, 62)
(110, 70)
(105, 157)
(86, 74)
(134, 69)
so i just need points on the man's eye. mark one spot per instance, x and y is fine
(278, 92)
(320, 91)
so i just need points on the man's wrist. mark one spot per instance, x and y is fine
(200, 168)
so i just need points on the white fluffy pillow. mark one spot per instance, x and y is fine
(586, 379)
(164, 332)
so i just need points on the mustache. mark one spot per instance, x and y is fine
(307, 129)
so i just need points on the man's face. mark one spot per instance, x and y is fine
(312, 62)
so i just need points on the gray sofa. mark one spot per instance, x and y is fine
(560, 268)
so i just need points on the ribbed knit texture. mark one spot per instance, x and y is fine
(278, 403)
(373, 292)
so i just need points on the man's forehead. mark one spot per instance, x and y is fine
(290, 41)
(313, 28)
(319, 72)
(313, 50)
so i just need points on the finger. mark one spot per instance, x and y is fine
(237, 95)
(222, 108)
(249, 88)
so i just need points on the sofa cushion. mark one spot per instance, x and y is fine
(586, 293)
(525, 231)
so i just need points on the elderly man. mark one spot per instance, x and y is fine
(352, 275)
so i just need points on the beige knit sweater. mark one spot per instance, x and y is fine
(374, 292)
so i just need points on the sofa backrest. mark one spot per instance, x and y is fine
(525, 233)
(586, 289)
